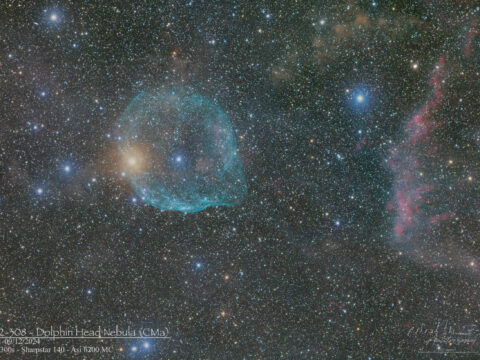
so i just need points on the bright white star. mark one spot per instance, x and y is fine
(54, 17)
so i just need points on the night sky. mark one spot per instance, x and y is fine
(358, 129)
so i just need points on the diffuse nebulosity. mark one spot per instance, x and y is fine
(181, 151)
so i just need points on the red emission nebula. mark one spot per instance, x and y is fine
(420, 210)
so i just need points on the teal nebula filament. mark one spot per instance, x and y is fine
(190, 150)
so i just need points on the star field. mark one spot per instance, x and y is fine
(357, 126)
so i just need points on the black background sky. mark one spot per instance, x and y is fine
(308, 266)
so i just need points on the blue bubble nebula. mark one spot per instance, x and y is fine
(184, 150)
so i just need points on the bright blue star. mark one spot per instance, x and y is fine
(360, 99)
(179, 161)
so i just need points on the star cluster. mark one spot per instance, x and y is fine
(357, 124)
